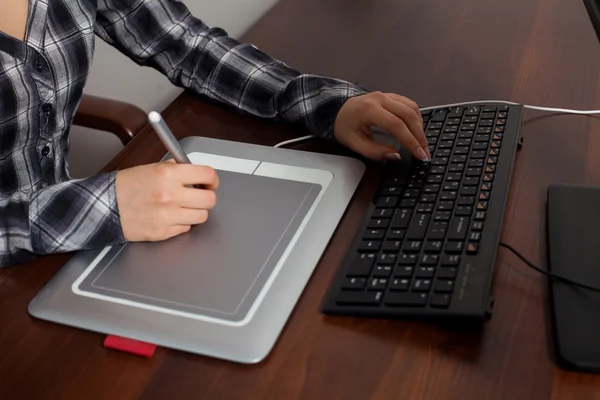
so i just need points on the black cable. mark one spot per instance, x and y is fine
(548, 273)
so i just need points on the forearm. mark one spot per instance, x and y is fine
(164, 35)
(74, 215)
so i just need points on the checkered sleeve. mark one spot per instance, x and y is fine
(74, 215)
(164, 35)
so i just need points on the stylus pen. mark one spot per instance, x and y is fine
(169, 140)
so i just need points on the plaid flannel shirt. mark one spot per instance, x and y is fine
(43, 210)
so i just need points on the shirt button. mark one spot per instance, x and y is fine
(39, 65)
(45, 151)
(47, 108)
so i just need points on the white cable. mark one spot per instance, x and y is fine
(284, 143)
(466, 103)
(491, 102)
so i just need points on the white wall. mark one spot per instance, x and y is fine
(115, 76)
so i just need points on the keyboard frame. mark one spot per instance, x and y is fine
(472, 294)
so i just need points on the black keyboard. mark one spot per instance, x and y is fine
(427, 244)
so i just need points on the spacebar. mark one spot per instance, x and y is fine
(359, 298)
(407, 299)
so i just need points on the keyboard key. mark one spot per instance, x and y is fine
(471, 181)
(428, 198)
(447, 144)
(387, 259)
(473, 172)
(448, 195)
(466, 134)
(490, 168)
(433, 246)
(424, 272)
(421, 285)
(442, 153)
(484, 130)
(391, 191)
(495, 144)
(450, 260)
(494, 152)
(482, 138)
(401, 219)
(412, 246)
(468, 127)
(437, 231)
(492, 160)
(453, 176)
(487, 122)
(458, 228)
(472, 248)
(377, 284)
(354, 283)
(447, 273)
(486, 186)
(359, 298)
(410, 193)
(488, 115)
(440, 300)
(450, 186)
(488, 109)
(475, 163)
(466, 200)
(461, 150)
(382, 271)
(429, 260)
(406, 299)
(454, 247)
(484, 196)
(442, 216)
(374, 234)
(445, 205)
(479, 215)
(477, 226)
(445, 285)
(473, 110)
(396, 234)
(453, 121)
(464, 210)
(418, 227)
(440, 160)
(383, 213)
(468, 191)
(407, 203)
(437, 169)
(387, 201)
(470, 119)
(403, 272)
(480, 146)
(435, 125)
(488, 177)
(482, 205)
(439, 115)
(456, 167)
(463, 142)
(449, 133)
(369, 245)
(456, 112)
(475, 236)
(435, 178)
(425, 208)
(361, 265)
(478, 154)
(378, 223)
(399, 285)
(499, 129)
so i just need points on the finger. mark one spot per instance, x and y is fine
(410, 118)
(396, 127)
(190, 174)
(188, 216)
(363, 144)
(176, 230)
(196, 198)
(410, 103)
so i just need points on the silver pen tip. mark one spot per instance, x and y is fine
(154, 117)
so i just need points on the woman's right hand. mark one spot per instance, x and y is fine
(156, 204)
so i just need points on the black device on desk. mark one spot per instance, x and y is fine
(427, 245)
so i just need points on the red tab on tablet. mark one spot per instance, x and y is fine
(129, 346)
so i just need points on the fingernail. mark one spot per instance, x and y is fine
(421, 154)
(393, 156)
(428, 153)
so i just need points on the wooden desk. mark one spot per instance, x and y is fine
(542, 52)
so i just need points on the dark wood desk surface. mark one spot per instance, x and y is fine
(540, 52)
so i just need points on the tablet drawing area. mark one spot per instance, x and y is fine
(227, 287)
(217, 270)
